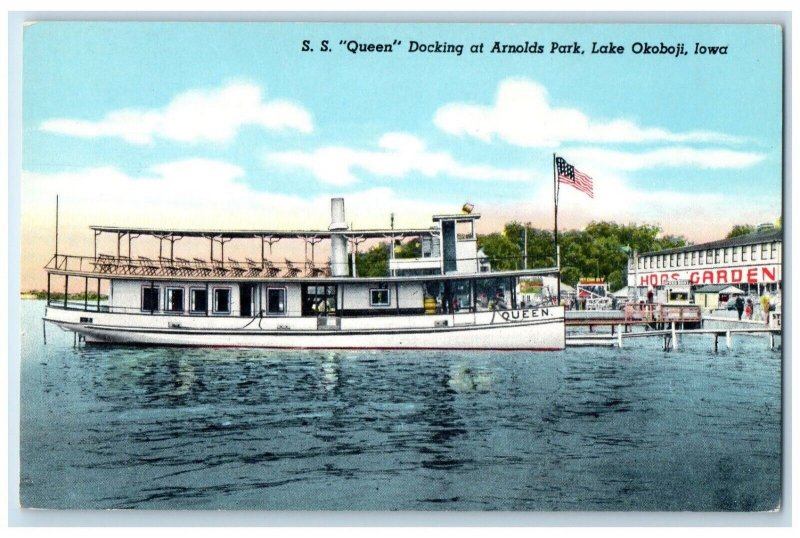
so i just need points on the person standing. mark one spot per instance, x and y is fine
(739, 306)
(765, 307)
(748, 309)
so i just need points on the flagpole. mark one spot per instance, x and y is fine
(555, 230)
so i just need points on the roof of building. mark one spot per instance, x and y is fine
(749, 239)
(719, 288)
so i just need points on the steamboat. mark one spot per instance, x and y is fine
(445, 297)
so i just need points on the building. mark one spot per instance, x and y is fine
(715, 296)
(751, 262)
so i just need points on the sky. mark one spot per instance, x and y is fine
(234, 125)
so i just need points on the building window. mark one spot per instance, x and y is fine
(658, 261)
(700, 257)
(150, 299)
(694, 257)
(716, 255)
(378, 297)
(198, 300)
(753, 252)
(774, 254)
(764, 251)
(744, 254)
(222, 300)
(725, 255)
(173, 300)
(709, 257)
(680, 257)
(672, 260)
(639, 264)
(276, 301)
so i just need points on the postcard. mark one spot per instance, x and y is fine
(402, 267)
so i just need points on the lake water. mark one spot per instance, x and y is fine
(585, 429)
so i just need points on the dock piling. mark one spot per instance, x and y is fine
(674, 337)
(728, 340)
(619, 336)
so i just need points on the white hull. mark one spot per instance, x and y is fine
(524, 329)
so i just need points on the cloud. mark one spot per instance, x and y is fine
(189, 194)
(212, 194)
(522, 115)
(193, 116)
(400, 154)
(667, 157)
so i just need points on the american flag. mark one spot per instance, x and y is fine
(569, 175)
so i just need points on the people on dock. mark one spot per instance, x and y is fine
(765, 307)
(649, 296)
(739, 306)
(748, 309)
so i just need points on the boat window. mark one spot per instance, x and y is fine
(198, 300)
(492, 294)
(465, 230)
(318, 299)
(173, 300)
(276, 301)
(379, 297)
(150, 299)
(222, 300)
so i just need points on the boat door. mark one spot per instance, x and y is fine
(449, 245)
(247, 300)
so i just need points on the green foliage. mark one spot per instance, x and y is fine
(599, 250)
(740, 229)
(503, 253)
(374, 262)
(412, 249)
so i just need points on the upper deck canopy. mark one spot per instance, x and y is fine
(254, 234)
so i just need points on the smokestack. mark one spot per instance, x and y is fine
(338, 242)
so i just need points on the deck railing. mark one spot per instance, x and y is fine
(105, 265)
(661, 312)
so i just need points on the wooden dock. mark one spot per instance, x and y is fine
(650, 315)
(671, 337)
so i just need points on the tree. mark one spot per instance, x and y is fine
(503, 253)
(740, 229)
(374, 262)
